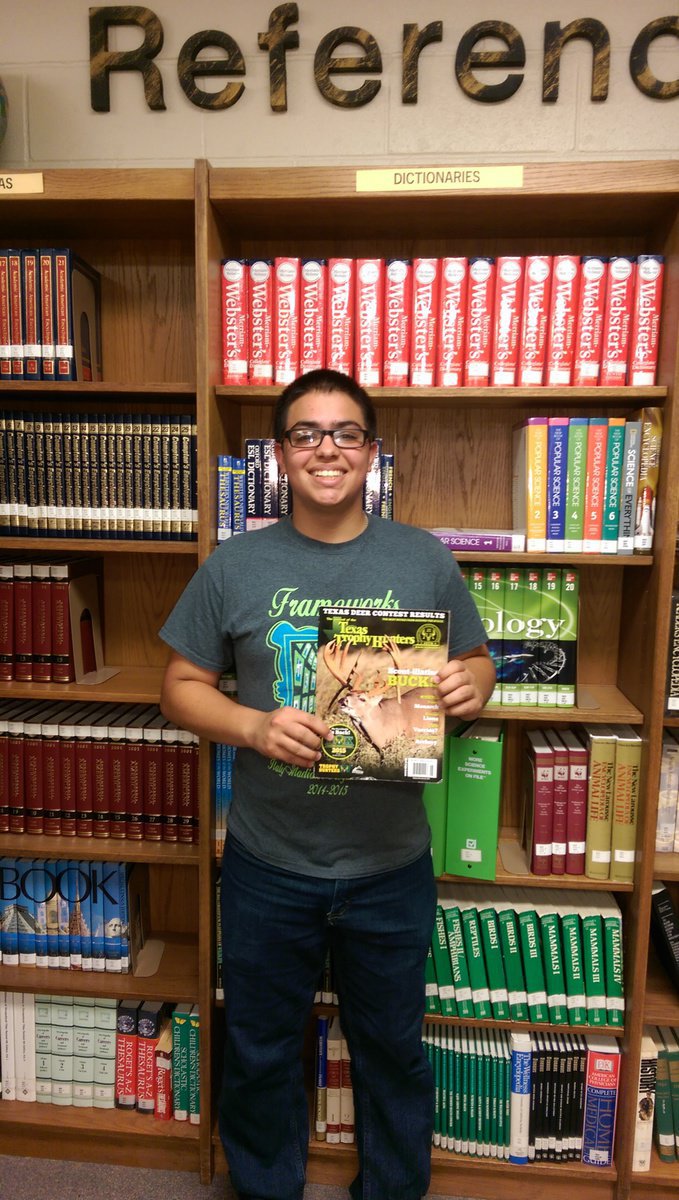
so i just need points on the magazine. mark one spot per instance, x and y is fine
(374, 687)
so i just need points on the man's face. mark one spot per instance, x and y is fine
(326, 477)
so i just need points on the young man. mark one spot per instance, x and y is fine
(304, 870)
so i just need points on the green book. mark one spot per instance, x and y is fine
(492, 952)
(568, 637)
(613, 485)
(574, 971)
(452, 1084)
(472, 1083)
(445, 1090)
(436, 1070)
(550, 629)
(664, 1121)
(552, 957)
(494, 1090)
(471, 933)
(458, 959)
(510, 667)
(180, 1061)
(601, 744)
(613, 967)
(194, 1065)
(593, 959)
(474, 785)
(487, 1093)
(481, 1094)
(669, 1037)
(435, 800)
(464, 1071)
(494, 603)
(511, 957)
(531, 635)
(457, 1091)
(626, 782)
(575, 484)
(531, 952)
(442, 966)
(431, 989)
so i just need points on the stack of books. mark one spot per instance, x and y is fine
(520, 954)
(557, 320)
(333, 1096)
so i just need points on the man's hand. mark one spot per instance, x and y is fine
(290, 735)
(466, 683)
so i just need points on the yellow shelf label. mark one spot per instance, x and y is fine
(438, 179)
(24, 184)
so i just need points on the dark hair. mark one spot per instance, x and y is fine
(323, 381)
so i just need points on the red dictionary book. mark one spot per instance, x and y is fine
(479, 323)
(23, 622)
(170, 782)
(424, 320)
(5, 710)
(126, 1053)
(5, 336)
(84, 778)
(48, 329)
(30, 272)
(560, 811)
(134, 756)
(68, 719)
(340, 323)
(61, 573)
(509, 271)
(539, 797)
(622, 271)
(187, 831)
(16, 314)
(563, 310)
(101, 792)
(537, 287)
(152, 759)
(51, 771)
(163, 1074)
(6, 622)
(16, 718)
(576, 816)
(117, 750)
(369, 349)
(148, 1032)
(33, 770)
(41, 616)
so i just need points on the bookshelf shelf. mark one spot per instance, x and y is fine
(661, 1003)
(98, 546)
(513, 850)
(176, 979)
(596, 703)
(666, 866)
(662, 1181)
(101, 390)
(26, 845)
(530, 398)
(133, 685)
(616, 1031)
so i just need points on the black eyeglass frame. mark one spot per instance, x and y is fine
(320, 434)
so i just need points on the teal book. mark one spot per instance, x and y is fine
(471, 932)
(511, 957)
(553, 959)
(566, 903)
(613, 485)
(613, 958)
(458, 959)
(431, 990)
(593, 958)
(531, 950)
(442, 966)
(492, 951)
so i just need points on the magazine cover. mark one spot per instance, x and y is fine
(374, 688)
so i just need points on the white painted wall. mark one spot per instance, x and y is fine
(44, 64)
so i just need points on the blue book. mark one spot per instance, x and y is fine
(40, 884)
(557, 464)
(238, 495)
(123, 903)
(321, 1112)
(9, 932)
(52, 913)
(520, 1097)
(97, 915)
(63, 914)
(25, 911)
(110, 887)
(253, 482)
(224, 497)
(73, 887)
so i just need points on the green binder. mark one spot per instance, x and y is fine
(474, 784)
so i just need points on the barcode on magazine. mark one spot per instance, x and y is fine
(420, 768)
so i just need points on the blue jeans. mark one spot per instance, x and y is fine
(275, 928)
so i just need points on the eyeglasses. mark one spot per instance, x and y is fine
(308, 438)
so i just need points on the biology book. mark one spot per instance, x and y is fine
(375, 689)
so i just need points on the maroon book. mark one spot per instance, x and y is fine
(134, 751)
(187, 830)
(61, 574)
(16, 741)
(23, 622)
(84, 779)
(34, 797)
(539, 785)
(153, 778)
(576, 817)
(117, 771)
(170, 783)
(6, 622)
(101, 804)
(559, 818)
(51, 771)
(5, 709)
(41, 617)
(68, 720)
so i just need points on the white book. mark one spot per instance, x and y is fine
(43, 1050)
(24, 1045)
(643, 1125)
(333, 1092)
(668, 793)
(7, 1052)
(520, 1097)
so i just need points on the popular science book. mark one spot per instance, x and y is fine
(374, 687)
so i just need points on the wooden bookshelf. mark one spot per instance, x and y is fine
(158, 237)
(661, 1182)
(661, 1000)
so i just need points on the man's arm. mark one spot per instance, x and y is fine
(191, 698)
(466, 683)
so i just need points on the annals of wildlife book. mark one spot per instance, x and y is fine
(375, 688)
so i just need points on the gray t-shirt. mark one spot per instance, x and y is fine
(252, 607)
